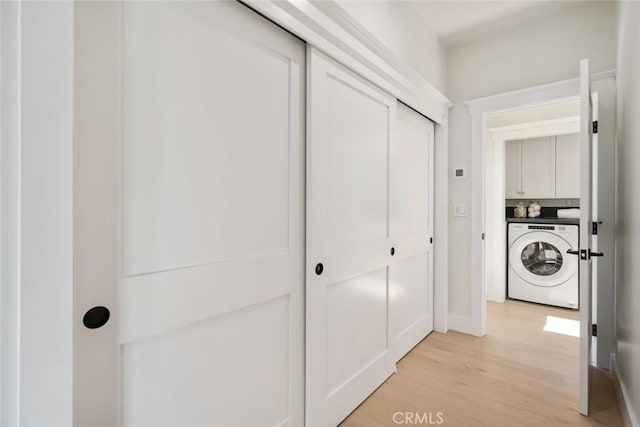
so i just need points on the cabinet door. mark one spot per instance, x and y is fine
(538, 168)
(568, 166)
(512, 169)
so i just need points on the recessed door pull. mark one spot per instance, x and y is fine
(319, 268)
(393, 251)
(96, 317)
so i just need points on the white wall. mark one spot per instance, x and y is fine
(628, 202)
(404, 32)
(543, 52)
(37, 270)
(459, 227)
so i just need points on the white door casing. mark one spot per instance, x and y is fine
(349, 350)
(189, 216)
(411, 228)
(586, 182)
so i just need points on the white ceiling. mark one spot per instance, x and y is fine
(456, 22)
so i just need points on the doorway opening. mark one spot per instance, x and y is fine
(531, 219)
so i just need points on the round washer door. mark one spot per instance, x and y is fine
(540, 258)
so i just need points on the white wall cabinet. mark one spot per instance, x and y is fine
(512, 159)
(543, 168)
(568, 166)
(538, 168)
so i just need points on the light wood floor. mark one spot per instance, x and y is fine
(517, 375)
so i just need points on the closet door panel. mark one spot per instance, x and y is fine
(188, 216)
(411, 229)
(348, 352)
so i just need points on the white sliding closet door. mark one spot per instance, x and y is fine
(189, 216)
(411, 228)
(348, 353)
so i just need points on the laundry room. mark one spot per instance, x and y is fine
(532, 205)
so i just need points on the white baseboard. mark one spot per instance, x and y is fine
(624, 400)
(463, 324)
(495, 296)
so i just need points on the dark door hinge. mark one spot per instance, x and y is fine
(431, 240)
(594, 228)
(482, 236)
(594, 330)
(595, 126)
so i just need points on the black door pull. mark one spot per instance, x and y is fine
(96, 317)
(572, 252)
(592, 254)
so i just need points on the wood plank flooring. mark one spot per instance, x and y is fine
(517, 375)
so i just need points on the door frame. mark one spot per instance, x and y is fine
(480, 109)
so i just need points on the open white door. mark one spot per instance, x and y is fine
(585, 253)
(189, 216)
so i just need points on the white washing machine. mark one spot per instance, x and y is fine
(540, 270)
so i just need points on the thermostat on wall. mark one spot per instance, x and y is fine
(460, 210)
(459, 173)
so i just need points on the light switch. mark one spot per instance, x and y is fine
(460, 210)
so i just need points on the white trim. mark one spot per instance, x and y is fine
(624, 400)
(329, 28)
(562, 126)
(441, 229)
(466, 325)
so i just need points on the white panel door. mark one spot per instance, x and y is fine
(512, 178)
(568, 166)
(411, 228)
(189, 216)
(348, 352)
(538, 168)
(586, 245)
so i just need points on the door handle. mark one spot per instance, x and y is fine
(585, 254)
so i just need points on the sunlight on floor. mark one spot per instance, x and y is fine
(559, 325)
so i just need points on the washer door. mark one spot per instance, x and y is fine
(540, 258)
